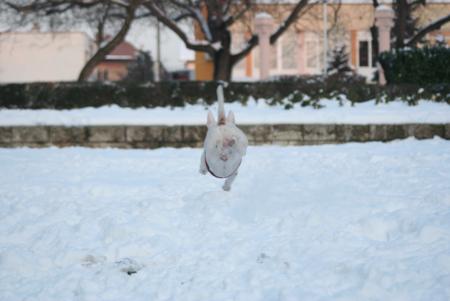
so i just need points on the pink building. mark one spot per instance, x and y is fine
(299, 51)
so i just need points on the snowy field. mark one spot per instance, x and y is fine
(253, 113)
(336, 222)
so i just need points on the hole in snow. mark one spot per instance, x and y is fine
(128, 266)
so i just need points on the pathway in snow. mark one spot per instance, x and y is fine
(335, 222)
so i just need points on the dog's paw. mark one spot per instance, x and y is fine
(226, 187)
(202, 171)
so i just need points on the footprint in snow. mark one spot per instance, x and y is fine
(129, 266)
(126, 265)
(264, 258)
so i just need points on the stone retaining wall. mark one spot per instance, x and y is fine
(135, 136)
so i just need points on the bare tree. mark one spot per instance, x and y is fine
(214, 19)
(104, 50)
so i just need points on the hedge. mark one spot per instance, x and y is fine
(304, 91)
(428, 65)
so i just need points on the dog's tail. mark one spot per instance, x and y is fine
(221, 112)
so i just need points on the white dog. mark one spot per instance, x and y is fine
(224, 146)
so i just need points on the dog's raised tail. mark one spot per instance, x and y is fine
(221, 113)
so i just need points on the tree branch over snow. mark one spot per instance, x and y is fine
(430, 27)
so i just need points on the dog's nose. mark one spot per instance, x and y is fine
(223, 157)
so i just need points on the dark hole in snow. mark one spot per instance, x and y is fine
(129, 272)
(129, 266)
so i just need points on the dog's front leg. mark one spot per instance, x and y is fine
(203, 169)
(227, 185)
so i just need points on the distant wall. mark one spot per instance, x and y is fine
(42, 56)
(193, 136)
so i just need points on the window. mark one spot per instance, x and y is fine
(289, 50)
(274, 56)
(364, 53)
(256, 56)
(312, 54)
(105, 75)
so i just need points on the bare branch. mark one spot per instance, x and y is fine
(430, 27)
(52, 5)
(182, 16)
(416, 3)
(162, 17)
(239, 14)
(226, 7)
(251, 43)
(254, 40)
(289, 20)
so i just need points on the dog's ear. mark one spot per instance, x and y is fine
(210, 120)
(230, 117)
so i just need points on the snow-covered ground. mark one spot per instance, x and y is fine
(253, 113)
(336, 222)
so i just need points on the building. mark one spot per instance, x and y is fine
(299, 51)
(42, 56)
(115, 66)
(58, 56)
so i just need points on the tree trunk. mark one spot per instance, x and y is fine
(400, 26)
(102, 52)
(223, 65)
(375, 46)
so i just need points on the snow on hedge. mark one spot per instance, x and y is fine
(253, 113)
(337, 222)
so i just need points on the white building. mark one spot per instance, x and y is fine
(41, 56)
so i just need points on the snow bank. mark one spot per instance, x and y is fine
(337, 222)
(253, 113)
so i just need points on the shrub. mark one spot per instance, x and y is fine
(304, 91)
(429, 65)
